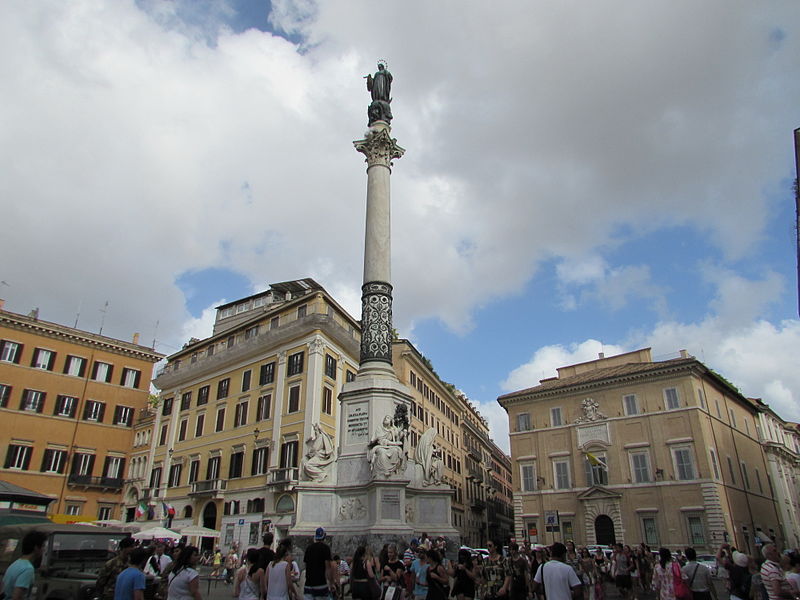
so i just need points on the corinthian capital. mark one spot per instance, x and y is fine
(379, 147)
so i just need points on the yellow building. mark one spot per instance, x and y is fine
(630, 450)
(68, 400)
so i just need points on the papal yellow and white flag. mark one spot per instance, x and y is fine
(596, 462)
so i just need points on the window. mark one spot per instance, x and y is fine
(123, 415)
(671, 401)
(212, 469)
(260, 461)
(226, 312)
(54, 461)
(640, 467)
(198, 425)
(596, 466)
(240, 416)
(274, 322)
(194, 470)
(684, 466)
(555, 417)
(295, 364)
(235, 467)
(175, 475)
(719, 414)
(10, 351)
(523, 422)
(186, 400)
(243, 307)
(74, 510)
(330, 366)
(5, 394)
(155, 478)
(294, 399)
(714, 464)
(222, 388)
(650, 531)
(66, 406)
(697, 536)
(102, 371)
(114, 467)
(630, 404)
(327, 400)
(210, 350)
(202, 395)
(733, 418)
(94, 411)
(561, 474)
(758, 481)
(104, 513)
(701, 398)
(246, 380)
(163, 437)
(528, 477)
(266, 374)
(301, 311)
(32, 401)
(349, 376)
(43, 359)
(251, 332)
(166, 408)
(231, 341)
(731, 471)
(83, 464)
(130, 377)
(289, 454)
(220, 419)
(264, 407)
(182, 427)
(745, 476)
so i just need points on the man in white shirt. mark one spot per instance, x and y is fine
(158, 562)
(556, 579)
(698, 577)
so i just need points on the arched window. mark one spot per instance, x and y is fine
(285, 504)
(187, 512)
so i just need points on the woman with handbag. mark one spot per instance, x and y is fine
(392, 575)
(664, 576)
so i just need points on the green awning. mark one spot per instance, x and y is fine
(12, 519)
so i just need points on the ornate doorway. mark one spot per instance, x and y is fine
(604, 530)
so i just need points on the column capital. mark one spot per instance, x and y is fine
(378, 146)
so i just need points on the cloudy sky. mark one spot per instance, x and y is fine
(578, 177)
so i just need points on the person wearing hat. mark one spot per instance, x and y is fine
(321, 571)
(740, 576)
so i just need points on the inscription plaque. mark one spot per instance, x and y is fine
(593, 433)
(357, 424)
(390, 505)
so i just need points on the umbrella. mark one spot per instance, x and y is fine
(129, 526)
(199, 531)
(156, 533)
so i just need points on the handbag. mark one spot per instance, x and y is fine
(682, 590)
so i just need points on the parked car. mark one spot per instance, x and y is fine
(73, 556)
(607, 550)
(710, 561)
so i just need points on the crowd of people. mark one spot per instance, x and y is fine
(422, 571)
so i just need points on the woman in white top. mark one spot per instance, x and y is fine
(184, 582)
(279, 576)
(248, 579)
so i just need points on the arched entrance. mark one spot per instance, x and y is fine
(209, 521)
(604, 530)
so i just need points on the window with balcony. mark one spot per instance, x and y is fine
(251, 332)
(212, 469)
(82, 464)
(10, 351)
(94, 411)
(66, 406)
(295, 364)
(102, 371)
(18, 457)
(194, 471)
(240, 416)
(596, 467)
(222, 388)
(43, 359)
(202, 395)
(75, 366)
(294, 399)
(630, 404)
(330, 366)
(266, 374)
(123, 415)
(264, 407)
(32, 401)
(246, 380)
(671, 399)
(130, 377)
(288, 457)
(175, 475)
(114, 467)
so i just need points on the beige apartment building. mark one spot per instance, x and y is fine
(632, 450)
(224, 449)
(68, 401)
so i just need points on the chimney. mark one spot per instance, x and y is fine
(136, 338)
(601, 355)
(34, 314)
(683, 353)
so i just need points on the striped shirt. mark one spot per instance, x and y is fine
(773, 578)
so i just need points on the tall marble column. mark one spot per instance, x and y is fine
(376, 292)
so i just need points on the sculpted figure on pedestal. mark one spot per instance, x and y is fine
(380, 86)
(319, 456)
(429, 457)
(386, 453)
